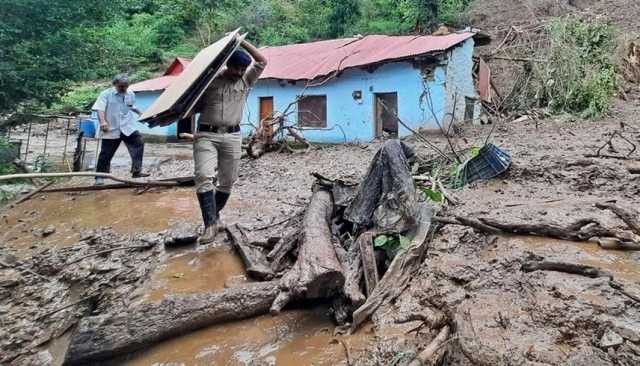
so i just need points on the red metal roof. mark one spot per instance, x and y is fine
(161, 83)
(308, 61)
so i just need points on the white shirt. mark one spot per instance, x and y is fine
(118, 113)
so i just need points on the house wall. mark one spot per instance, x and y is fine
(459, 81)
(353, 120)
(144, 101)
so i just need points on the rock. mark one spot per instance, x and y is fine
(610, 339)
(181, 233)
(49, 230)
(10, 278)
(45, 358)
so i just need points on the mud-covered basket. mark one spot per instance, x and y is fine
(489, 163)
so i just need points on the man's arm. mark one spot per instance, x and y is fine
(101, 107)
(257, 67)
(254, 52)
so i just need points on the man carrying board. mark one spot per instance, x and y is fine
(218, 133)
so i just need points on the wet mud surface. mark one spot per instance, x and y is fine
(500, 314)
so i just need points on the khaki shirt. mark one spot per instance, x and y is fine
(223, 102)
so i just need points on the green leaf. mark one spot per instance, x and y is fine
(380, 241)
(475, 151)
(433, 195)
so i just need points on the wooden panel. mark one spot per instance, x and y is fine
(180, 86)
(312, 111)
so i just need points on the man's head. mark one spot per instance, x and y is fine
(237, 64)
(121, 83)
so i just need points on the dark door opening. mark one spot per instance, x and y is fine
(386, 113)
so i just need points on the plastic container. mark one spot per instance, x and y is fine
(490, 162)
(88, 126)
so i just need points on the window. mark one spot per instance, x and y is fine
(469, 107)
(312, 111)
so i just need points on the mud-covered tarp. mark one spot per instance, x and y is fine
(386, 197)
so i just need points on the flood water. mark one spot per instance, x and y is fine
(295, 337)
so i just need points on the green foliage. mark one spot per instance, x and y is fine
(8, 153)
(392, 244)
(433, 195)
(580, 75)
(79, 98)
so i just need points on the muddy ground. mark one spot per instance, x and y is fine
(501, 315)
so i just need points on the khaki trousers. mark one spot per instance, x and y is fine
(227, 148)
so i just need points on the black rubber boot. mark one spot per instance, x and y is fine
(209, 216)
(221, 200)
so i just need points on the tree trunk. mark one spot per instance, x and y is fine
(317, 272)
(253, 257)
(106, 336)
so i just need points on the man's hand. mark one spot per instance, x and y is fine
(104, 127)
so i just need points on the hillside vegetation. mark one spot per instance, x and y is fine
(49, 47)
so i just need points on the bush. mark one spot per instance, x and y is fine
(580, 75)
(79, 99)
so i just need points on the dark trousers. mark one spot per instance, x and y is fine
(134, 144)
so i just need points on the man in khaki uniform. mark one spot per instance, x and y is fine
(218, 133)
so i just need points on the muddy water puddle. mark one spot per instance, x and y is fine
(294, 338)
(122, 210)
(196, 272)
(622, 264)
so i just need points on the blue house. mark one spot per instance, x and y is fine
(357, 89)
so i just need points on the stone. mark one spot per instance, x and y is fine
(610, 339)
(49, 230)
(181, 233)
(10, 278)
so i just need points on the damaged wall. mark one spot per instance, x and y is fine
(459, 83)
(352, 119)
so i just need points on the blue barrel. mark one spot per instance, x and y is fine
(88, 126)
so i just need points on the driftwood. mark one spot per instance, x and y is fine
(105, 337)
(629, 216)
(369, 268)
(87, 174)
(435, 351)
(317, 273)
(580, 230)
(397, 277)
(252, 256)
(351, 288)
(278, 254)
(578, 269)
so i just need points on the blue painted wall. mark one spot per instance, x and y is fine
(350, 120)
(353, 120)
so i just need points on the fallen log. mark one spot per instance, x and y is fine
(317, 272)
(369, 267)
(434, 352)
(253, 257)
(105, 337)
(88, 174)
(397, 277)
(629, 216)
(354, 275)
(581, 230)
(277, 255)
(571, 268)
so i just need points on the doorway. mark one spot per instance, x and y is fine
(266, 115)
(386, 112)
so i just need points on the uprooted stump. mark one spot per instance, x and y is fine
(106, 337)
(317, 273)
